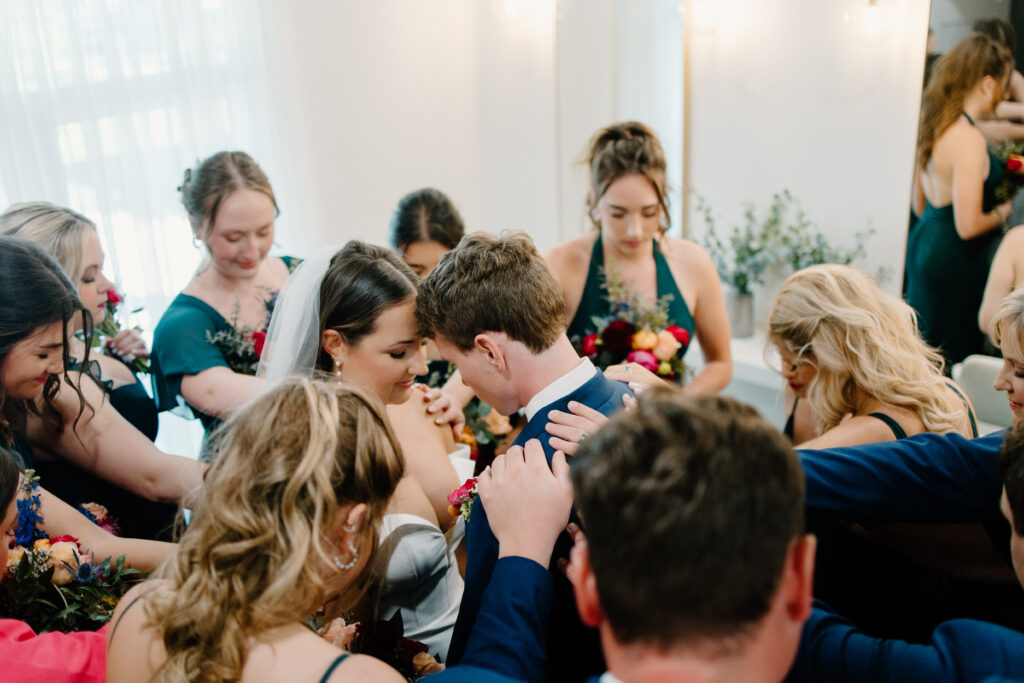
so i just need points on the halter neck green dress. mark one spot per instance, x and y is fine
(946, 274)
(594, 301)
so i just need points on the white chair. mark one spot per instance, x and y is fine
(975, 376)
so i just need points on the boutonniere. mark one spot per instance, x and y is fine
(460, 501)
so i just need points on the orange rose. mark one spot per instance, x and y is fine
(497, 423)
(64, 560)
(14, 556)
(645, 339)
(667, 345)
(41, 544)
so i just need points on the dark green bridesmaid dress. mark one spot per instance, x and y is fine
(946, 275)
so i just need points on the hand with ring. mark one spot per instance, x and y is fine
(636, 376)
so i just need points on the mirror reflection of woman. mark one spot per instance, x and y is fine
(627, 204)
(949, 248)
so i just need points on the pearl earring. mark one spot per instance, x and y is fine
(337, 369)
(345, 566)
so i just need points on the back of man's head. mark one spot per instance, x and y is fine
(691, 505)
(492, 284)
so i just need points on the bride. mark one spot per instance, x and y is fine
(351, 314)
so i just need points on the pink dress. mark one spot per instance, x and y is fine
(53, 657)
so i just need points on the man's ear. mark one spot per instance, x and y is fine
(584, 585)
(334, 345)
(798, 577)
(492, 349)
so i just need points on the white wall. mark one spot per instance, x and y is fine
(492, 102)
(381, 98)
(787, 95)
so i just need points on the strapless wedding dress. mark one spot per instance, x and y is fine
(419, 573)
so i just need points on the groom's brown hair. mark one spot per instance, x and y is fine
(492, 284)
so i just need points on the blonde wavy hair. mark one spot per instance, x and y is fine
(1007, 328)
(254, 554)
(860, 339)
(59, 231)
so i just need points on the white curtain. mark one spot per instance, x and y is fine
(104, 103)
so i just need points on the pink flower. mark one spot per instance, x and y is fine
(588, 347)
(459, 495)
(644, 358)
(113, 297)
(667, 346)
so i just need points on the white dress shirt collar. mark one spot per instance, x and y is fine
(563, 386)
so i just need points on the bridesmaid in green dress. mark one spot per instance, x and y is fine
(950, 248)
(207, 344)
(628, 206)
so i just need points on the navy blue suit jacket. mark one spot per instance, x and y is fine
(574, 651)
(511, 634)
(942, 478)
(832, 649)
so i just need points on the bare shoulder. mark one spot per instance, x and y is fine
(1013, 239)
(132, 647)
(571, 257)
(963, 135)
(685, 252)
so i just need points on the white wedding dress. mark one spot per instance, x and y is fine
(419, 575)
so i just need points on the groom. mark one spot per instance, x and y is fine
(495, 310)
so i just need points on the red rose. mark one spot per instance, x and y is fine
(644, 358)
(588, 347)
(618, 337)
(113, 297)
(681, 335)
(258, 340)
(62, 539)
(1015, 164)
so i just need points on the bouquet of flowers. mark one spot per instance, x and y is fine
(1011, 154)
(50, 585)
(110, 326)
(636, 333)
(243, 346)
(384, 640)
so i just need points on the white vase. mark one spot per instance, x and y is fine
(741, 314)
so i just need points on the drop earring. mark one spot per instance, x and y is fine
(345, 566)
(337, 370)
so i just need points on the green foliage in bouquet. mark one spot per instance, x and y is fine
(85, 603)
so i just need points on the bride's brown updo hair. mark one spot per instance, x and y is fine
(362, 282)
(625, 149)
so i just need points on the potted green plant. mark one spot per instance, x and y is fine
(741, 259)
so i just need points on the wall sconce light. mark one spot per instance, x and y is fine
(869, 21)
(701, 17)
